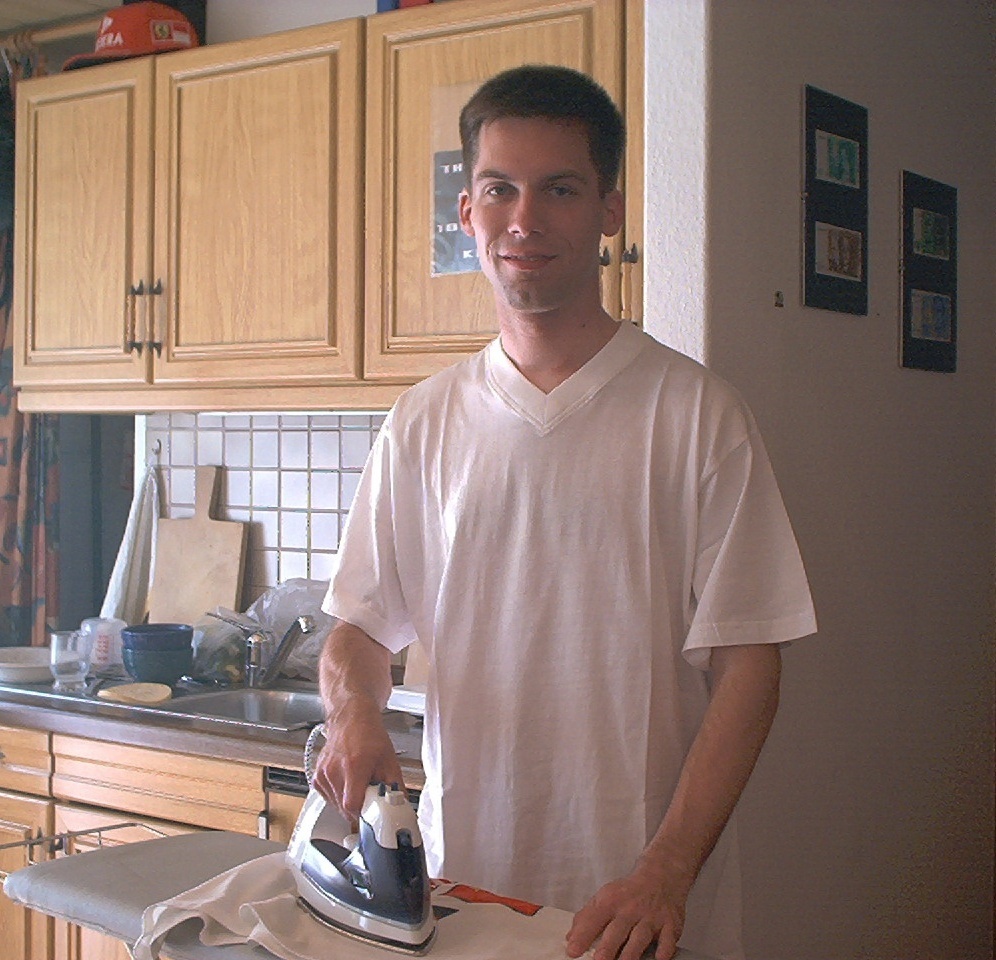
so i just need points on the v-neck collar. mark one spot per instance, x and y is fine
(545, 410)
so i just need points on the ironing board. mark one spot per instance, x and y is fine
(107, 890)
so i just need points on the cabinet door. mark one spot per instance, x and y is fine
(259, 196)
(84, 208)
(78, 943)
(26, 935)
(282, 811)
(426, 304)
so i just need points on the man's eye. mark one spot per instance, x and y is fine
(497, 190)
(559, 190)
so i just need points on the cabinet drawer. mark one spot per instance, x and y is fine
(218, 794)
(25, 761)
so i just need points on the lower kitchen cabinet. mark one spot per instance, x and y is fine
(163, 792)
(58, 784)
(77, 943)
(26, 935)
(161, 784)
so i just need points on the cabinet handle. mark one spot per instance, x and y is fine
(606, 258)
(134, 292)
(155, 341)
(629, 257)
(263, 825)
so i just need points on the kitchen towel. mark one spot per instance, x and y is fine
(128, 587)
(256, 902)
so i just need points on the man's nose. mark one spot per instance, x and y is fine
(526, 215)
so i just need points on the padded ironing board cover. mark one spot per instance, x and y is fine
(108, 890)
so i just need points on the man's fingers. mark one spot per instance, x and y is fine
(588, 923)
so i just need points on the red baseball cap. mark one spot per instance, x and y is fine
(135, 30)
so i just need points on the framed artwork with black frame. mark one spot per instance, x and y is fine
(929, 275)
(835, 247)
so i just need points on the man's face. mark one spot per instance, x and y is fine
(534, 208)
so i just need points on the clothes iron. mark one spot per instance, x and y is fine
(372, 885)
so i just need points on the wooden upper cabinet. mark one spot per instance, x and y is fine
(258, 210)
(83, 225)
(194, 218)
(262, 225)
(426, 305)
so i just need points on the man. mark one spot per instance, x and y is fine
(582, 529)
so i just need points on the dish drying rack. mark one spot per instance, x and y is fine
(55, 843)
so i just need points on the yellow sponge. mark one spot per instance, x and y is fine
(140, 693)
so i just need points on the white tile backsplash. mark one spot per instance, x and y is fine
(265, 449)
(238, 449)
(325, 490)
(355, 447)
(295, 489)
(293, 530)
(294, 449)
(292, 477)
(266, 488)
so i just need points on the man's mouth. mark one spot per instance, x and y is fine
(526, 261)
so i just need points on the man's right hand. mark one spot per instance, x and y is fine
(358, 751)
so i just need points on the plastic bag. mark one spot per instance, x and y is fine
(280, 606)
(219, 650)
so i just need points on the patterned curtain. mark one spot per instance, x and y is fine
(29, 489)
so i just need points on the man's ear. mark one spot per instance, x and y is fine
(465, 223)
(613, 213)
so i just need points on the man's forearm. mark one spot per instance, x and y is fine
(353, 665)
(737, 721)
(355, 679)
(627, 914)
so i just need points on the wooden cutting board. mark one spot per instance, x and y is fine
(199, 560)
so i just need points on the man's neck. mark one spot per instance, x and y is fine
(547, 350)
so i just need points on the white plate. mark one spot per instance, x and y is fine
(24, 664)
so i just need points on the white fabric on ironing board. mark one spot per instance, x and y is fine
(257, 902)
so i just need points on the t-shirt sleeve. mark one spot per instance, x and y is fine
(748, 583)
(366, 588)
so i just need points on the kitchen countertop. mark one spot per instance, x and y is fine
(36, 707)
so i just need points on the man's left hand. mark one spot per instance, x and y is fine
(628, 915)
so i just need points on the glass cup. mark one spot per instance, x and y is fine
(70, 659)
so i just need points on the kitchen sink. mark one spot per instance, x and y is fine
(251, 706)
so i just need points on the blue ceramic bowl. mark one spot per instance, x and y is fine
(158, 666)
(157, 636)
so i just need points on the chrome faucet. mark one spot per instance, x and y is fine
(256, 674)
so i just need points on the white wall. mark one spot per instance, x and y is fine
(239, 19)
(869, 824)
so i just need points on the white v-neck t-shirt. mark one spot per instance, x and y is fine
(568, 560)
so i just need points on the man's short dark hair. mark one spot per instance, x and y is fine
(551, 93)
